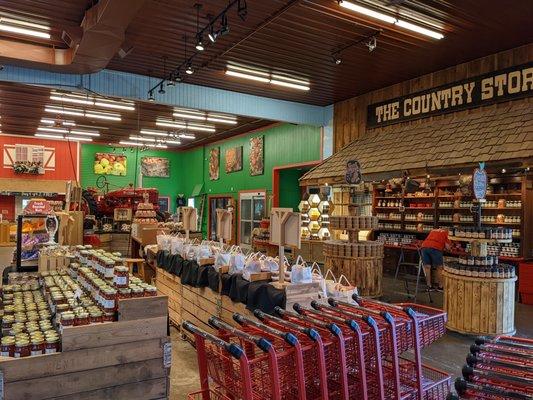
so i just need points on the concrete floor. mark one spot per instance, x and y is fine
(447, 354)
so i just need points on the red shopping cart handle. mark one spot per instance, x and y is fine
(484, 340)
(462, 386)
(333, 328)
(474, 349)
(472, 360)
(231, 348)
(261, 342)
(310, 332)
(468, 372)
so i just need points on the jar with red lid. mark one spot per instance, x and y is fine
(121, 278)
(22, 348)
(7, 346)
(37, 346)
(109, 297)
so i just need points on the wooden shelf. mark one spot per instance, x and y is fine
(502, 223)
(465, 239)
(420, 208)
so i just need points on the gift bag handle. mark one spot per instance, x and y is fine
(329, 272)
(345, 280)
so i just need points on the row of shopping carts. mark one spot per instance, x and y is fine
(331, 350)
(497, 369)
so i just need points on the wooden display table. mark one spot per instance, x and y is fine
(479, 306)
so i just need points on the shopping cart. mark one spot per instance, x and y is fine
(476, 391)
(403, 378)
(223, 363)
(290, 352)
(314, 355)
(334, 351)
(431, 322)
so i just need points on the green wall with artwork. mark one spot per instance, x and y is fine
(289, 187)
(166, 186)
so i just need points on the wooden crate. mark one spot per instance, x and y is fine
(128, 359)
(364, 272)
(52, 263)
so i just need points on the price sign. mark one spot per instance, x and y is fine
(479, 182)
(38, 206)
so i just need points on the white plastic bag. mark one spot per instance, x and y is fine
(252, 266)
(343, 289)
(163, 241)
(237, 261)
(176, 245)
(300, 272)
(271, 264)
(222, 259)
(318, 277)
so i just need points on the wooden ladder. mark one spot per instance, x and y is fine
(201, 209)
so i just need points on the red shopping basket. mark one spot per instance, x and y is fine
(334, 351)
(223, 363)
(313, 353)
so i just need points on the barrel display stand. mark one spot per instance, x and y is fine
(366, 271)
(478, 306)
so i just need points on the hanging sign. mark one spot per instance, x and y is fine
(353, 175)
(479, 181)
(502, 85)
(38, 206)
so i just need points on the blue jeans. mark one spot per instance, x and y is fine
(432, 257)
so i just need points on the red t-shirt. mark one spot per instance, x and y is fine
(437, 239)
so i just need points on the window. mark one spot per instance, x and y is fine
(25, 153)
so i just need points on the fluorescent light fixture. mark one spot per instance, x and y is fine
(72, 99)
(128, 143)
(248, 70)
(115, 105)
(24, 23)
(391, 20)
(247, 76)
(61, 137)
(170, 124)
(106, 116)
(419, 29)
(153, 133)
(289, 84)
(172, 142)
(368, 12)
(189, 116)
(185, 125)
(22, 31)
(142, 139)
(222, 120)
(62, 110)
(84, 133)
(56, 130)
(186, 136)
(201, 128)
(48, 121)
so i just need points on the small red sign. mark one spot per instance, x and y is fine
(38, 206)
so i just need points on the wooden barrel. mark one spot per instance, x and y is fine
(478, 306)
(364, 272)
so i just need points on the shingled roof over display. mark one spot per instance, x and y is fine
(493, 135)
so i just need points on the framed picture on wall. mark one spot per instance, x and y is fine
(214, 163)
(257, 166)
(110, 164)
(158, 167)
(234, 159)
(164, 203)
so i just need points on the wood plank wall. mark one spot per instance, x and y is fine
(350, 115)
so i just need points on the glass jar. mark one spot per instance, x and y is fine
(108, 317)
(37, 346)
(137, 291)
(124, 293)
(67, 319)
(7, 346)
(82, 318)
(109, 269)
(109, 296)
(51, 344)
(22, 348)
(95, 317)
(150, 291)
(121, 278)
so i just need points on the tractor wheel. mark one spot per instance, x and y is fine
(89, 205)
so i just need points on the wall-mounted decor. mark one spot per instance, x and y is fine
(110, 164)
(234, 159)
(155, 166)
(256, 156)
(28, 159)
(214, 163)
(164, 203)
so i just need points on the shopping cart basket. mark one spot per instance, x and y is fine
(225, 364)
(498, 377)
(312, 351)
(288, 349)
(476, 391)
(431, 322)
(334, 351)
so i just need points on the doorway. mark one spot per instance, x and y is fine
(214, 203)
(252, 209)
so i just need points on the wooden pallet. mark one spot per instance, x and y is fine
(127, 359)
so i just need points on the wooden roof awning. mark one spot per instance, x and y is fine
(500, 135)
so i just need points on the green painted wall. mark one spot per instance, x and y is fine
(289, 188)
(166, 186)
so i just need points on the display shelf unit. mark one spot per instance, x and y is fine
(448, 193)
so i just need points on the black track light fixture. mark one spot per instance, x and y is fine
(242, 9)
(151, 97)
(199, 43)
(189, 70)
(171, 81)
(372, 44)
(199, 39)
(212, 35)
(161, 89)
(224, 26)
(336, 58)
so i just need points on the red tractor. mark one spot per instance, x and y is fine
(103, 204)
